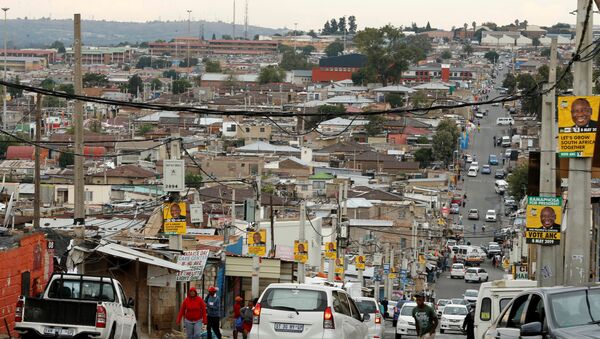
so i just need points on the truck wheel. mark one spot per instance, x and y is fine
(112, 332)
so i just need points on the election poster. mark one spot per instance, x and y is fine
(339, 265)
(544, 215)
(330, 250)
(301, 251)
(174, 217)
(359, 262)
(577, 125)
(257, 243)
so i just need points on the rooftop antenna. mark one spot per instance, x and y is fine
(246, 22)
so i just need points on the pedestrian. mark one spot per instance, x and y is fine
(474, 228)
(213, 305)
(385, 303)
(193, 313)
(426, 320)
(460, 219)
(465, 196)
(503, 160)
(494, 261)
(247, 314)
(237, 317)
(494, 141)
(468, 325)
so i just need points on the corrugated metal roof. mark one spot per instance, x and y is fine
(132, 254)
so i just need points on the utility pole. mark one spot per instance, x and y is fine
(577, 246)
(256, 258)
(548, 256)
(391, 281)
(386, 275)
(79, 217)
(301, 237)
(176, 240)
(5, 9)
(36, 179)
(360, 253)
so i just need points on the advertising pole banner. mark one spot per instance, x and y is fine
(339, 265)
(544, 215)
(257, 243)
(174, 217)
(360, 262)
(330, 250)
(301, 251)
(577, 126)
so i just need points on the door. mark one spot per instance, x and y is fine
(508, 324)
(361, 327)
(343, 315)
(128, 314)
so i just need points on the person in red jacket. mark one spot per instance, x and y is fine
(193, 312)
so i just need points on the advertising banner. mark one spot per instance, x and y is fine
(330, 250)
(196, 260)
(257, 243)
(544, 215)
(359, 262)
(174, 215)
(339, 265)
(577, 125)
(301, 251)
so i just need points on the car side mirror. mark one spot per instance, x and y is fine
(366, 317)
(531, 329)
(130, 302)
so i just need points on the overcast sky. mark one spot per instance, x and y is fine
(308, 14)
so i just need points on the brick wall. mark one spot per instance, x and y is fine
(28, 254)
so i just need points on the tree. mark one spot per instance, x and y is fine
(59, 46)
(326, 28)
(424, 156)
(47, 84)
(446, 54)
(95, 80)
(67, 88)
(65, 159)
(308, 49)
(517, 182)
(312, 33)
(536, 42)
(292, 60)
(212, 66)
(375, 125)
(363, 76)
(332, 110)
(181, 86)
(193, 180)
(271, 74)
(468, 49)
(334, 26)
(226, 37)
(143, 129)
(450, 127)
(135, 85)
(428, 27)
(214, 37)
(352, 24)
(566, 82)
(15, 92)
(419, 99)
(172, 74)
(526, 82)
(510, 83)
(443, 146)
(395, 100)
(545, 52)
(342, 25)
(193, 62)
(334, 49)
(492, 56)
(156, 84)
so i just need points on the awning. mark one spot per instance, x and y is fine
(131, 254)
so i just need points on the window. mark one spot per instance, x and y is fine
(89, 196)
(262, 130)
(535, 310)
(575, 308)
(340, 303)
(299, 299)
(366, 306)
(512, 317)
(485, 313)
(503, 302)
(81, 289)
(247, 129)
(123, 296)
(355, 312)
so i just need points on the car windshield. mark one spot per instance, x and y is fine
(471, 293)
(298, 299)
(366, 306)
(459, 301)
(443, 302)
(494, 248)
(455, 310)
(575, 308)
(471, 270)
(457, 266)
(407, 310)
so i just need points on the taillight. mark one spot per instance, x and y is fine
(378, 318)
(328, 319)
(19, 311)
(256, 312)
(100, 316)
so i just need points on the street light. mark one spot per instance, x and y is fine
(5, 9)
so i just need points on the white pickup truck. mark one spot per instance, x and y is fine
(77, 306)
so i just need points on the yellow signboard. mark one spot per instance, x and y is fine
(339, 265)
(301, 251)
(544, 216)
(392, 275)
(330, 250)
(577, 125)
(257, 243)
(359, 262)
(174, 217)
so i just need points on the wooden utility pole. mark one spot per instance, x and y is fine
(36, 178)
(79, 217)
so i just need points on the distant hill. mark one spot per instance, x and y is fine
(25, 33)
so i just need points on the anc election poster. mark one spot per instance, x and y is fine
(174, 215)
(301, 251)
(330, 249)
(544, 215)
(257, 243)
(359, 262)
(577, 126)
(339, 265)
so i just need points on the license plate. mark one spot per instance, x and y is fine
(284, 327)
(63, 332)
(412, 332)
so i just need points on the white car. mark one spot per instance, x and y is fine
(307, 311)
(440, 304)
(476, 274)
(472, 172)
(457, 271)
(376, 324)
(470, 296)
(453, 318)
(490, 215)
(468, 158)
(406, 322)
(476, 165)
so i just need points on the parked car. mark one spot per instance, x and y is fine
(307, 311)
(470, 296)
(550, 312)
(75, 305)
(376, 323)
(490, 215)
(476, 274)
(453, 317)
(500, 173)
(457, 271)
(486, 169)
(473, 214)
(406, 322)
(440, 304)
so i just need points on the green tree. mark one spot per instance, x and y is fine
(312, 33)
(424, 156)
(67, 88)
(334, 26)
(326, 28)
(517, 182)
(342, 26)
(48, 84)
(156, 84)
(334, 49)
(395, 100)
(66, 159)
(15, 92)
(545, 52)
(212, 66)
(492, 56)
(468, 49)
(419, 99)
(172, 74)
(59, 46)
(510, 83)
(363, 76)
(375, 125)
(306, 50)
(95, 80)
(181, 86)
(193, 180)
(143, 62)
(193, 62)
(352, 24)
(443, 146)
(536, 42)
(135, 85)
(145, 128)
(226, 37)
(292, 60)
(332, 110)
(449, 126)
(446, 54)
(271, 74)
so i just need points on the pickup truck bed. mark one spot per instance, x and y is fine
(60, 312)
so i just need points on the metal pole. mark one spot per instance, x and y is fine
(386, 275)
(5, 9)
(36, 179)
(360, 253)
(391, 281)
(256, 259)
(548, 256)
(577, 246)
(78, 122)
(301, 238)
